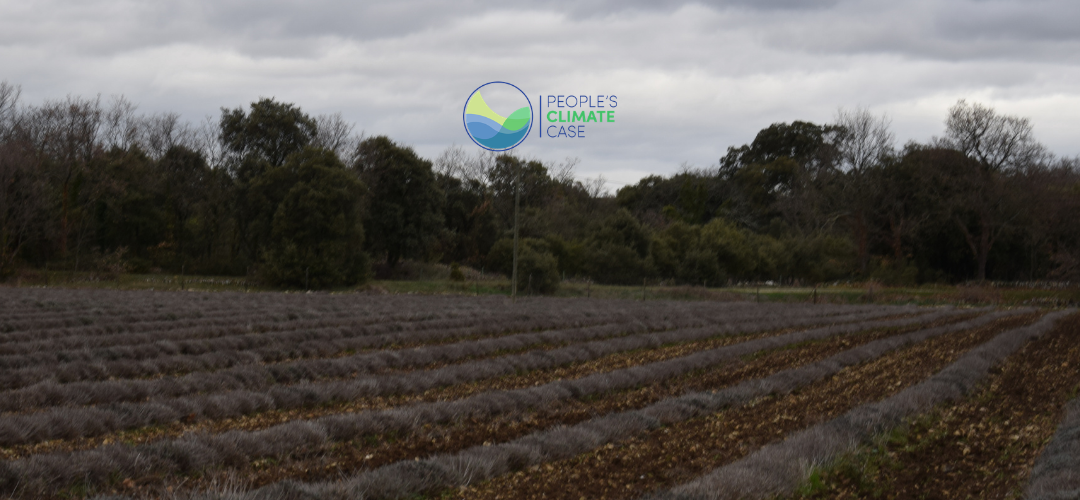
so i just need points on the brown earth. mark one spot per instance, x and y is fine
(983, 447)
(267, 419)
(347, 458)
(675, 454)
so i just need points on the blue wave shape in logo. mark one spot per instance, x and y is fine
(490, 130)
(492, 135)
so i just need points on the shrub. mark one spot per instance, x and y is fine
(534, 260)
(455, 272)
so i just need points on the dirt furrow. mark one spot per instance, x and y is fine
(89, 422)
(374, 451)
(113, 453)
(983, 447)
(680, 452)
(268, 419)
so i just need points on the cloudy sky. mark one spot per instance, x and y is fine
(692, 78)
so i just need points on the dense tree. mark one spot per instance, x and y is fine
(129, 212)
(316, 238)
(22, 208)
(536, 189)
(404, 214)
(680, 253)
(780, 175)
(617, 250)
(471, 226)
(92, 184)
(187, 178)
(256, 142)
(803, 142)
(269, 132)
(902, 193)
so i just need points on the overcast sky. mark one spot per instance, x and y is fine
(692, 79)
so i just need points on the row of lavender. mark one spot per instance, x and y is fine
(292, 351)
(409, 478)
(201, 348)
(778, 469)
(193, 453)
(773, 470)
(94, 408)
(51, 409)
(1056, 475)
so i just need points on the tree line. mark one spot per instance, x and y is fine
(295, 200)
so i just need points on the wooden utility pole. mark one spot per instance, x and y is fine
(517, 202)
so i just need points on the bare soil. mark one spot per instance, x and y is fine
(981, 448)
(374, 451)
(349, 458)
(673, 455)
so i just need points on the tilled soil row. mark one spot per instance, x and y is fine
(678, 453)
(983, 447)
(271, 418)
(191, 349)
(263, 396)
(583, 370)
(375, 451)
(262, 376)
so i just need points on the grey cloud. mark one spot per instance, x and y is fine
(1036, 21)
(693, 77)
(954, 31)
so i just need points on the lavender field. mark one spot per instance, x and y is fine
(122, 394)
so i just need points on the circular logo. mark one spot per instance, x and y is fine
(491, 130)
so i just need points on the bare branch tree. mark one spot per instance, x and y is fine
(476, 168)
(864, 139)
(66, 133)
(453, 162)
(9, 101)
(120, 126)
(563, 173)
(595, 187)
(336, 134)
(206, 139)
(161, 132)
(996, 141)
